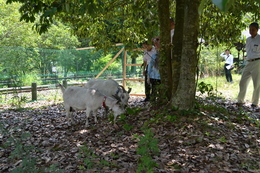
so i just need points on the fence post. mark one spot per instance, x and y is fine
(64, 83)
(34, 91)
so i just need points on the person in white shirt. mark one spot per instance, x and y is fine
(252, 68)
(153, 75)
(228, 64)
(148, 52)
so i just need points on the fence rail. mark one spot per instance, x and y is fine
(29, 88)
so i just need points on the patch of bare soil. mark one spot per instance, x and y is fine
(218, 137)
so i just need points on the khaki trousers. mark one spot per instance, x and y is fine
(251, 70)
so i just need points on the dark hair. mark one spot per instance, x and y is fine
(171, 19)
(228, 50)
(145, 42)
(254, 24)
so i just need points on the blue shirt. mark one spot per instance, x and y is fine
(152, 71)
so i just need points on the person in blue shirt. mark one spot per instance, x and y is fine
(153, 75)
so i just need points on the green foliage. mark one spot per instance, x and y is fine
(100, 63)
(18, 101)
(147, 147)
(230, 23)
(134, 21)
(172, 118)
(18, 43)
(210, 63)
(223, 139)
(132, 111)
(128, 127)
(106, 29)
(28, 165)
(205, 88)
(123, 118)
(29, 79)
(90, 159)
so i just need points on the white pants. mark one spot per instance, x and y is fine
(251, 70)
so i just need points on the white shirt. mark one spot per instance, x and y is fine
(148, 55)
(228, 59)
(253, 47)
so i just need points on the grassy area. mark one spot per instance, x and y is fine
(228, 90)
(223, 88)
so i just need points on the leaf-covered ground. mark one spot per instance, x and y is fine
(216, 137)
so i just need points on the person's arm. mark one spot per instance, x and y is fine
(223, 55)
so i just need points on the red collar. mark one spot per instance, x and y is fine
(104, 102)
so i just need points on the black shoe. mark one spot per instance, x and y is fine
(255, 107)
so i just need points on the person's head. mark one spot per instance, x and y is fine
(156, 42)
(227, 51)
(147, 46)
(253, 29)
(172, 24)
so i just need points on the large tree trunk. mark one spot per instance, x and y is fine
(165, 50)
(184, 97)
(177, 44)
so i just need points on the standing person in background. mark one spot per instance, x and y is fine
(252, 67)
(148, 52)
(153, 75)
(153, 68)
(228, 64)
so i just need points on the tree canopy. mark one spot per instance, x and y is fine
(107, 22)
(19, 43)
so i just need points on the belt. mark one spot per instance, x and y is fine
(250, 60)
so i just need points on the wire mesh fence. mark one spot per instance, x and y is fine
(20, 67)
